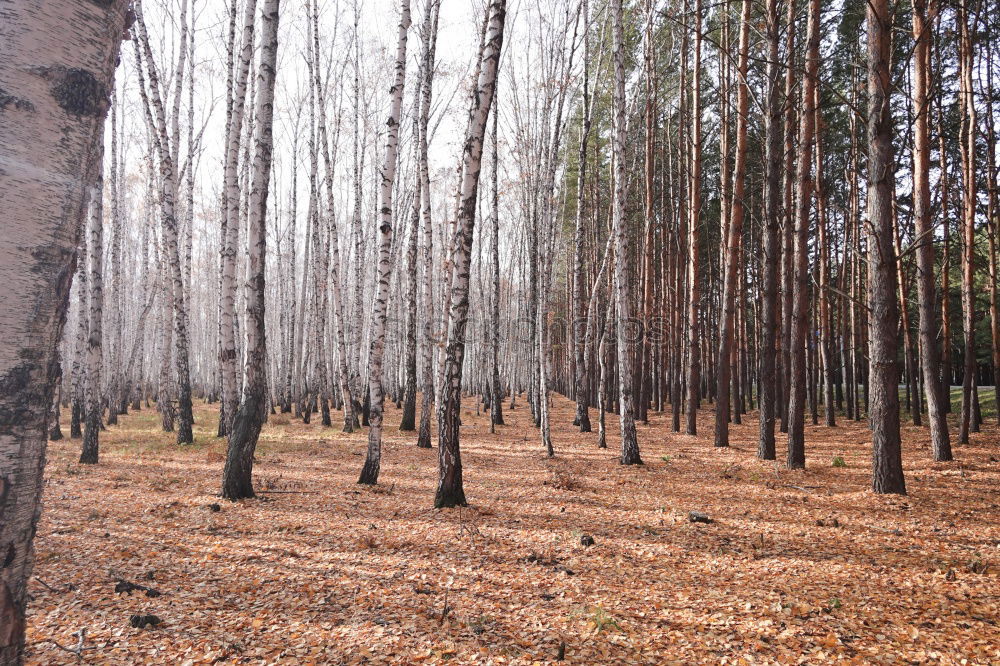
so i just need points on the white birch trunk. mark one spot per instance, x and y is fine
(630, 445)
(117, 404)
(227, 358)
(56, 62)
(450, 491)
(427, 249)
(496, 390)
(95, 274)
(376, 392)
(79, 340)
(168, 195)
(347, 395)
(236, 476)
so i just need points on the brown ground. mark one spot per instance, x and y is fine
(330, 572)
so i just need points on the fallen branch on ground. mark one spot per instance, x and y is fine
(81, 637)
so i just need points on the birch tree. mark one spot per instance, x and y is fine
(339, 308)
(56, 97)
(581, 386)
(629, 445)
(78, 415)
(247, 422)
(231, 219)
(450, 491)
(376, 392)
(421, 102)
(427, 235)
(495, 388)
(95, 290)
(168, 196)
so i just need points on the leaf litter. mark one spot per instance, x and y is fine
(575, 559)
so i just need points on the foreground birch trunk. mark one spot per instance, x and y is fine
(236, 476)
(376, 392)
(449, 490)
(165, 382)
(57, 60)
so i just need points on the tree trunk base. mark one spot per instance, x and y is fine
(325, 411)
(409, 421)
(369, 474)
(237, 476)
(631, 459)
(449, 498)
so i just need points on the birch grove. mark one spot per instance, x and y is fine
(677, 217)
(699, 335)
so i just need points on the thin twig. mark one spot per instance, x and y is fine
(47, 586)
(445, 610)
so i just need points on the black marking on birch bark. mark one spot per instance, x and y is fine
(130, 18)
(19, 104)
(4, 489)
(78, 92)
(103, 3)
(9, 557)
(19, 395)
(11, 618)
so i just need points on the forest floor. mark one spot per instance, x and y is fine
(795, 567)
